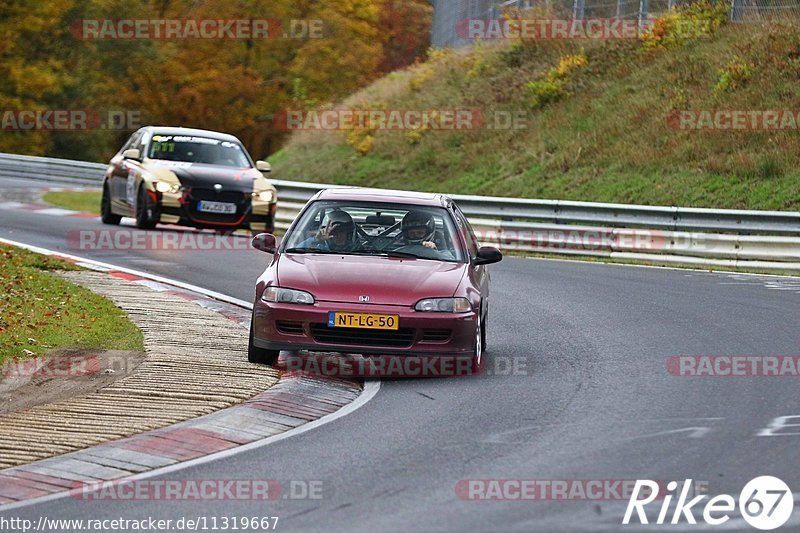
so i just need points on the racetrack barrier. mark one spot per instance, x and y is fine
(675, 235)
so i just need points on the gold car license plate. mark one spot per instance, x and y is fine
(363, 321)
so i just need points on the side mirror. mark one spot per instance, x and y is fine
(131, 153)
(488, 255)
(266, 242)
(263, 166)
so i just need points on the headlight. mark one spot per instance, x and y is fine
(444, 305)
(163, 186)
(286, 296)
(265, 196)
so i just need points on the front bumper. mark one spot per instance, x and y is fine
(304, 327)
(178, 209)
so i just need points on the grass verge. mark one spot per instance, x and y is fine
(83, 201)
(40, 311)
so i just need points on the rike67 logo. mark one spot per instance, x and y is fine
(765, 503)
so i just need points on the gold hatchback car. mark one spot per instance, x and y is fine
(188, 177)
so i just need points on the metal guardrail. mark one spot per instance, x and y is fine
(712, 237)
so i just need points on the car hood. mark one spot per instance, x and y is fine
(206, 176)
(388, 281)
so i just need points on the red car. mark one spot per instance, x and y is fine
(375, 273)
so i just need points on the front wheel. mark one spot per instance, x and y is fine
(106, 215)
(145, 210)
(477, 356)
(258, 355)
(485, 328)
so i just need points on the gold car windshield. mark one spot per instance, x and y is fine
(201, 150)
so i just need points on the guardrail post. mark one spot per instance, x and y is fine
(578, 9)
(644, 8)
(737, 7)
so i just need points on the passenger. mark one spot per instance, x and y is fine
(339, 235)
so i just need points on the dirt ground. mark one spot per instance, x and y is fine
(61, 375)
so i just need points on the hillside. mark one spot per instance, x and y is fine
(597, 115)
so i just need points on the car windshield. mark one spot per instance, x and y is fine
(379, 229)
(202, 150)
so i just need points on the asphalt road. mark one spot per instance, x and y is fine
(591, 399)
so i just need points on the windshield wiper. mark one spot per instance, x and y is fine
(385, 253)
(394, 253)
(305, 251)
(366, 252)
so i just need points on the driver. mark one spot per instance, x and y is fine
(338, 235)
(418, 236)
(418, 228)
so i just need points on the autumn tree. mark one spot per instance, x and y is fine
(232, 85)
(405, 27)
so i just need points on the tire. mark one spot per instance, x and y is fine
(106, 216)
(143, 205)
(485, 328)
(260, 356)
(478, 359)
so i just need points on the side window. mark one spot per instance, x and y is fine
(466, 229)
(131, 142)
(141, 143)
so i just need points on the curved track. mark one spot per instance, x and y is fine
(591, 399)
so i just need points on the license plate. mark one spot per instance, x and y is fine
(362, 321)
(216, 207)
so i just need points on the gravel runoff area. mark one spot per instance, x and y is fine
(195, 364)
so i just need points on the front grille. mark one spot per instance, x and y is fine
(241, 200)
(401, 338)
(436, 335)
(234, 197)
(290, 328)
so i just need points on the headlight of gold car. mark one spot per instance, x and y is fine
(265, 196)
(163, 186)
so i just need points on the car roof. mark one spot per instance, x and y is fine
(170, 130)
(358, 194)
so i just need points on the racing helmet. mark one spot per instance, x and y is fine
(338, 218)
(415, 220)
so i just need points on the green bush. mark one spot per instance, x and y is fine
(734, 75)
(553, 87)
(543, 92)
